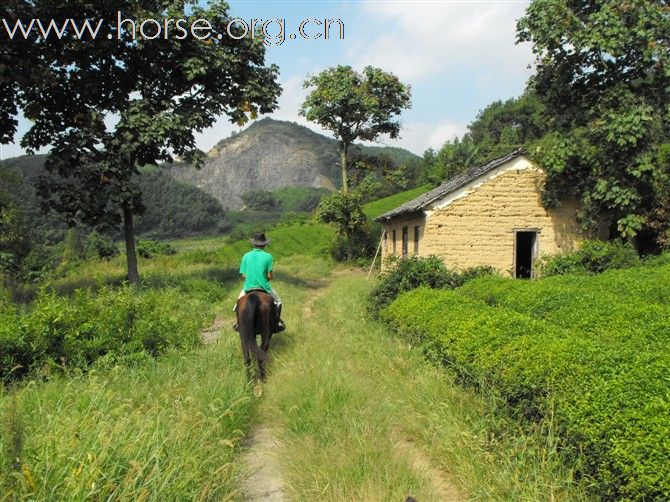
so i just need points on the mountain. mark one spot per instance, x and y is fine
(271, 154)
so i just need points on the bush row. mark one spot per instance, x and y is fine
(409, 273)
(592, 257)
(614, 305)
(72, 332)
(606, 392)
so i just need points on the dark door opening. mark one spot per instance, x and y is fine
(525, 254)
(405, 242)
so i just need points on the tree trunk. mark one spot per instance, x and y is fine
(350, 250)
(131, 255)
(343, 166)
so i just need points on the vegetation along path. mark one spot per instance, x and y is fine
(351, 412)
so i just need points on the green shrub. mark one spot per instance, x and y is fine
(149, 249)
(100, 247)
(589, 353)
(592, 257)
(413, 272)
(73, 332)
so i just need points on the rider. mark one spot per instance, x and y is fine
(256, 270)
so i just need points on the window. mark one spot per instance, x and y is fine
(525, 253)
(417, 235)
(405, 241)
(393, 239)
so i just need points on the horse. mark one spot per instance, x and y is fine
(255, 315)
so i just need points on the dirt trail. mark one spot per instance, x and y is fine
(421, 463)
(265, 481)
(214, 331)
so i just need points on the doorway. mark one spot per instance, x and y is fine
(525, 253)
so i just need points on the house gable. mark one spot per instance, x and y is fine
(516, 164)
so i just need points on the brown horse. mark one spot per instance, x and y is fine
(255, 315)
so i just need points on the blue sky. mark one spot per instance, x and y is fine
(457, 56)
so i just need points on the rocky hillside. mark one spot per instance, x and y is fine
(270, 154)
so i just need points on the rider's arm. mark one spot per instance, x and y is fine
(269, 276)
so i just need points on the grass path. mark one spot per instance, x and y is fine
(351, 412)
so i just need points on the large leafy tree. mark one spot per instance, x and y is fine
(355, 106)
(500, 128)
(603, 70)
(109, 106)
(345, 211)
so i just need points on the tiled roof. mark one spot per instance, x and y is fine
(418, 204)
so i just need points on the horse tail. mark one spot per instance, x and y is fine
(247, 327)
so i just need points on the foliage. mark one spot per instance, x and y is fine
(352, 412)
(498, 130)
(603, 73)
(383, 171)
(588, 352)
(73, 332)
(69, 87)
(405, 274)
(150, 249)
(355, 106)
(260, 200)
(134, 427)
(100, 247)
(344, 209)
(175, 209)
(592, 257)
(297, 199)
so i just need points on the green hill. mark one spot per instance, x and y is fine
(380, 206)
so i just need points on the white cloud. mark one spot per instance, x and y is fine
(417, 137)
(417, 40)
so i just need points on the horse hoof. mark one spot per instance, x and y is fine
(258, 390)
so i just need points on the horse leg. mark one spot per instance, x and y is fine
(246, 354)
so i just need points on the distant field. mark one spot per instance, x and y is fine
(297, 239)
(377, 207)
(591, 354)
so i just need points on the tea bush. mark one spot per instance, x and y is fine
(590, 353)
(592, 257)
(72, 332)
(413, 272)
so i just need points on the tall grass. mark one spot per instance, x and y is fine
(163, 429)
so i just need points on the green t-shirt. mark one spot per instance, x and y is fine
(255, 265)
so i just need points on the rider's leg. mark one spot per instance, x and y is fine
(242, 293)
(279, 324)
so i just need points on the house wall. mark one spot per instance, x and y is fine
(476, 224)
(397, 224)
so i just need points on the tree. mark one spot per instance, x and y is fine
(603, 71)
(344, 209)
(158, 91)
(260, 200)
(500, 128)
(355, 106)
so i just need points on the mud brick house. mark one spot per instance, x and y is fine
(490, 215)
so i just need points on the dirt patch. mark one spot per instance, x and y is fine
(264, 480)
(214, 331)
(422, 465)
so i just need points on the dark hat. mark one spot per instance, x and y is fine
(259, 239)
